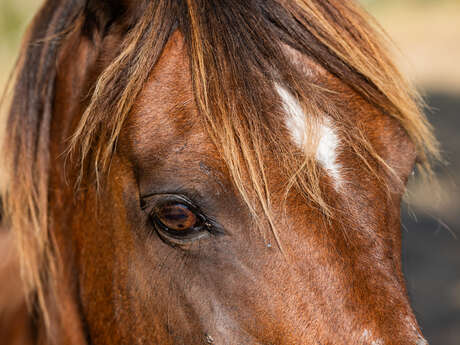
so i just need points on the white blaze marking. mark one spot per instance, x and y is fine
(296, 123)
(327, 152)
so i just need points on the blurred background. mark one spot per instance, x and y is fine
(428, 35)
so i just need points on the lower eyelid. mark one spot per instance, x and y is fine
(174, 241)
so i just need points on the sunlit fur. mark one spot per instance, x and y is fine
(236, 53)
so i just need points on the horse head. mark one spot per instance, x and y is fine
(213, 172)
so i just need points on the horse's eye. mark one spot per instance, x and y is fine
(177, 217)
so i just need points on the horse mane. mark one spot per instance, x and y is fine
(219, 34)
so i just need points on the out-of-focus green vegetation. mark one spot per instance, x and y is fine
(14, 17)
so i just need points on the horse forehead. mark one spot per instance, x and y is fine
(169, 84)
(165, 111)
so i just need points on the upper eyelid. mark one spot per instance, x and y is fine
(191, 197)
(178, 197)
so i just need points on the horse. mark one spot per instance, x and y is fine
(209, 172)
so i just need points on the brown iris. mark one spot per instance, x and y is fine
(177, 217)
